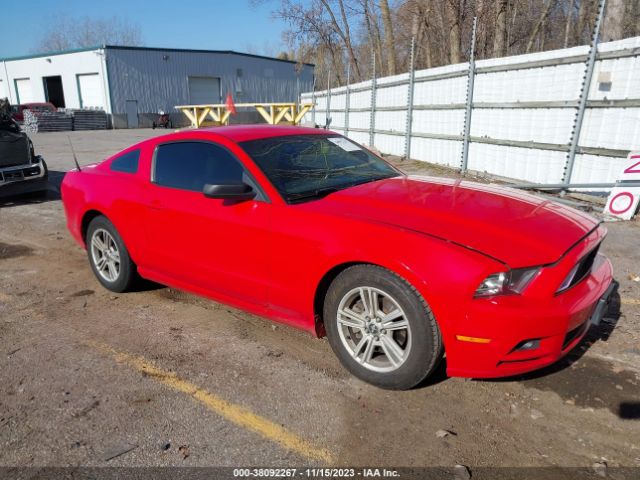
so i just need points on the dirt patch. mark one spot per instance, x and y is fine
(82, 293)
(8, 250)
(593, 383)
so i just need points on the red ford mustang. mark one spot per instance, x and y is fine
(306, 227)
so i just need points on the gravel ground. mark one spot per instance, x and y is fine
(71, 395)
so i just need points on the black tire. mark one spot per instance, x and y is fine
(127, 274)
(425, 351)
(46, 170)
(44, 181)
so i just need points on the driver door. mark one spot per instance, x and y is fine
(214, 246)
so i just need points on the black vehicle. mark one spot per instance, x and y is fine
(21, 171)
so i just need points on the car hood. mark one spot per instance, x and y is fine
(516, 228)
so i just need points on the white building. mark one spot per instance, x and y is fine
(133, 83)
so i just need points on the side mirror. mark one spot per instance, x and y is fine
(231, 191)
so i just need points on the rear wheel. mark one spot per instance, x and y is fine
(381, 328)
(108, 256)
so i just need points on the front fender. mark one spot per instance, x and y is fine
(445, 274)
(308, 245)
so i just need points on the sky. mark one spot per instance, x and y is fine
(201, 24)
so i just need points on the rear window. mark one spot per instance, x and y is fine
(127, 162)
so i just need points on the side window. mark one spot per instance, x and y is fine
(127, 163)
(192, 165)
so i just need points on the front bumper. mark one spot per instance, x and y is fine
(23, 178)
(556, 324)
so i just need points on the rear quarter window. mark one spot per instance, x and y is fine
(127, 162)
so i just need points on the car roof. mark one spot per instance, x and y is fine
(241, 133)
(235, 133)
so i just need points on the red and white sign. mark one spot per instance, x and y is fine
(623, 201)
(632, 172)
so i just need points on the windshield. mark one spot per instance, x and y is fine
(304, 167)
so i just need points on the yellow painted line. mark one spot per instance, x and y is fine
(234, 413)
(630, 301)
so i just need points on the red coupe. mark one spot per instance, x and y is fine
(306, 227)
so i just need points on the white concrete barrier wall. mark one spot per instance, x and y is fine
(614, 127)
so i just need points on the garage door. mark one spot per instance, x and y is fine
(23, 88)
(89, 88)
(204, 90)
(3, 90)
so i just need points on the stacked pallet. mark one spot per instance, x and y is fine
(64, 120)
(89, 120)
(30, 123)
(55, 122)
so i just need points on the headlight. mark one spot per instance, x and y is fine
(505, 283)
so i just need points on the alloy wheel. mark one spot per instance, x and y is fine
(374, 329)
(105, 255)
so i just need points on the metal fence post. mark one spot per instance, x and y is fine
(468, 111)
(582, 99)
(313, 101)
(409, 124)
(372, 116)
(347, 102)
(328, 108)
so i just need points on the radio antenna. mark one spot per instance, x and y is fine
(75, 159)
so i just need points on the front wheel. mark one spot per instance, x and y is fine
(381, 328)
(108, 256)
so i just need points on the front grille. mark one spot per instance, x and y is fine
(584, 266)
(17, 174)
(582, 270)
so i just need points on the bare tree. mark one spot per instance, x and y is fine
(613, 25)
(500, 38)
(343, 31)
(568, 23)
(389, 42)
(56, 34)
(539, 24)
(452, 14)
(63, 33)
(335, 33)
(423, 20)
(378, 35)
